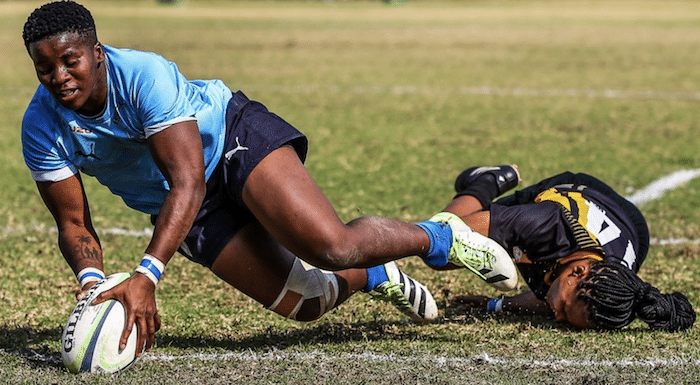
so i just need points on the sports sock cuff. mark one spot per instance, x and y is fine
(375, 277)
(440, 235)
(483, 189)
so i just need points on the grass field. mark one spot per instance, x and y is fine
(396, 101)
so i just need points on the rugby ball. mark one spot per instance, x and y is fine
(90, 340)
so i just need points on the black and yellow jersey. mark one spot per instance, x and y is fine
(545, 222)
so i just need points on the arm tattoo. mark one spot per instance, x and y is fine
(85, 249)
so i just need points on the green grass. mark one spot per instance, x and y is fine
(386, 96)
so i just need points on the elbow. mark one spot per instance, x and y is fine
(192, 190)
(199, 191)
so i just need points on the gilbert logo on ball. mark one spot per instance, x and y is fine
(90, 341)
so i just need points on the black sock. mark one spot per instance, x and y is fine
(484, 189)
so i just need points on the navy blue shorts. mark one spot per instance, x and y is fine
(252, 132)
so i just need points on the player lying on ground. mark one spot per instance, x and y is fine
(578, 245)
(223, 179)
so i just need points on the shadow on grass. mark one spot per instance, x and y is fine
(282, 338)
(37, 347)
(465, 314)
(31, 345)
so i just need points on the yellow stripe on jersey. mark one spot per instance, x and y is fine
(569, 199)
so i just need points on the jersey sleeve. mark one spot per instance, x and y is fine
(161, 94)
(43, 151)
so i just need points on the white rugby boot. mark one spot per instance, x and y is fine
(407, 294)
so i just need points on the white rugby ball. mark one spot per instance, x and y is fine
(90, 341)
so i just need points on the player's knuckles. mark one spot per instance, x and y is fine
(100, 298)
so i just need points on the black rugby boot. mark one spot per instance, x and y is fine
(487, 182)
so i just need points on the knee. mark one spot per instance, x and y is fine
(341, 247)
(308, 293)
(332, 252)
(310, 310)
(303, 309)
(336, 257)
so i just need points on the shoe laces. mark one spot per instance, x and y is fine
(473, 256)
(392, 293)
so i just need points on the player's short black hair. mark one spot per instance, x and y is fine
(616, 296)
(59, 17)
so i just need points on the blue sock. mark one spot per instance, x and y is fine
(440, 235)
(375, 277)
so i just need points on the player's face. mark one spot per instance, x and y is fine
(72, 70)
(563, 298)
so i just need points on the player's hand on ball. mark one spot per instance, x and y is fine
(80, 294)
(137, 294)
(90, 339)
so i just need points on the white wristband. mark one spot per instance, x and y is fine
(151, 267)
(89, 274)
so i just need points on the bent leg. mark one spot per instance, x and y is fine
(478, 186)
(463, 206)
(285, 199)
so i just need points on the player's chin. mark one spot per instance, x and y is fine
(73, 101)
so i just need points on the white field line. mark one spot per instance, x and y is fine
(656, 190)
(483, 359)
(477, 91)
(651, 192)
(43, 229)
(466, 90)
(660, 186)
(147, 233)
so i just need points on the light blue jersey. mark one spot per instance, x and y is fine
(146, 94)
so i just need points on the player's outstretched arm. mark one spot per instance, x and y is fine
(524, 303)
(77, 239)
(177, 151)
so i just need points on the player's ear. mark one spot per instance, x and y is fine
(99, 52)
(580, 270)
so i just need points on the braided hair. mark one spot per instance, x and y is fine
(616, 296)
(59, 17)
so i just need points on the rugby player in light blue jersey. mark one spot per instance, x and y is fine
(223, 179)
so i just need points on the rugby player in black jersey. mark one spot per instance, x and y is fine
(577, 244)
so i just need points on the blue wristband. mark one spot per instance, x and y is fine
(495, 305)
(151, 268)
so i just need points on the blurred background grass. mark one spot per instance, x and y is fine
(396, 101)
